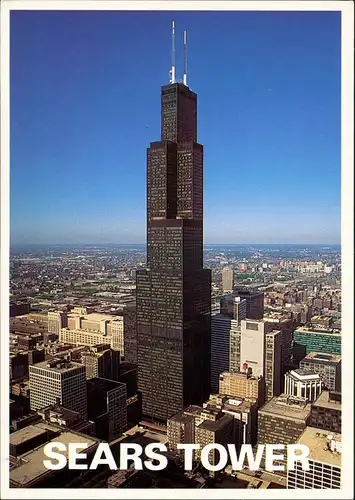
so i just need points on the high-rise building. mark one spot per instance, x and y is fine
(252, 346)
(282, 420)
(307, 340)
(234, 346)
(327, 365)
(254, 303)
(220, 328)
(242, 385)
(56, 321)
(303, 384)
(326, 412)
(60, 381)
(107, 407)
(173, 294)
(101, 361)
(272, 363)
(227, 279)
(324, 462)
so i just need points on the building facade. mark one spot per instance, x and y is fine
(227, 279)
(303, 384)
(220, 340)
(58, 381)
(173, 294)
(328, 366)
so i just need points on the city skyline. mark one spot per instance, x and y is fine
(282, 94)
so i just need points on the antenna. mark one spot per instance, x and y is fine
(185, 58)
(172, 71)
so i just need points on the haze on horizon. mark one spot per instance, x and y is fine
(84, 109)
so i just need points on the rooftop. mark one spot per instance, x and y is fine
(31, 467)
(215, 425)
(303, 374)
(318, 442)
(25, 434)
(288, 407)
(58, 365)
(325, 358)
(104, 384)
(318, 331)
(326, 400)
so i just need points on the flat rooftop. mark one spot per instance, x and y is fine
(104, 384)
(25, 434)
(290, 408)
(31, 466)
(215, 425)
(316, 440)
(322, 357)
(303, 374)
(96, 317)
(326, 401)
(65, 366)
(318, 331)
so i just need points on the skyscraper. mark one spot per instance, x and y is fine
(173, 293)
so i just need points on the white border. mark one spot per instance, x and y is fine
(347, 9)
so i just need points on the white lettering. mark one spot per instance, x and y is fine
(73, 455)
(149, 451)
(270, 457)
(188, 453)
(245, 450)
(293, 457)
(223, 457)
(61, 459)
(103, 456)
(135, 456)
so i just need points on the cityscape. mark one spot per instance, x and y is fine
(175, 340)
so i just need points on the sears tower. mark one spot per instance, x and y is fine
(174, 292)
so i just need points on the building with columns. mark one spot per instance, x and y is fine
(303, 384)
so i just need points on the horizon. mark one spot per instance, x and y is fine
(80, 123)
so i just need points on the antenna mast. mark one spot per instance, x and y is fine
(185, 59)
(172, 71)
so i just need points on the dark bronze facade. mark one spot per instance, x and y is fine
(174, 292)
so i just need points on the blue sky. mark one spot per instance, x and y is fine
(85, 104)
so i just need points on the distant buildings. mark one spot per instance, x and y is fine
(227, 279)
(324, 462)
(328, 366)
(58, 381)
(56, 321)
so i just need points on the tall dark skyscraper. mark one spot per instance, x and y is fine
(174, 292)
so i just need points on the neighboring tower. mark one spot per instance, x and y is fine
(58, 380)
(174, 293)
(227, 279)
(101, 361)
(220, 334)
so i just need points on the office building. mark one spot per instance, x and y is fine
(282, 420)
(272, 364)
(303, 384)
(220, 333)
(307, 340)
(57, 415)
(101, 361)
(234, 346)
(242, 385)
(326, 412)
(254, 303)
(328, 366)
(107, 407)
(227, 279)
(59, 380)
(181, 426)
(252, 346)
(244, 413)
(89, 329)
(324, 462)
(173, 294)
(56, 321)
(286, 326)
(27, 453)
(18, 366)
